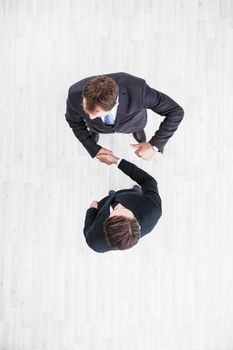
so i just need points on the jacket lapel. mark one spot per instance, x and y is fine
(123, 104)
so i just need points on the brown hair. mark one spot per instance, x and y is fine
(121, 232)
(101, 91)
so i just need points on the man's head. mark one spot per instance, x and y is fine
(99, 96)
(121, 228)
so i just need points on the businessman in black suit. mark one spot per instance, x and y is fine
(119, 220)
(118, 103)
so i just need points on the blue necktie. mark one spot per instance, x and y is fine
(109, 120)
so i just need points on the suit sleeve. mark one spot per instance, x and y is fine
(164, 106)
(89, 219)
(78, 125)
(146, 181)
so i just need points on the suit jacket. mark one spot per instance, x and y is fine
(146, 207)
(135, 97)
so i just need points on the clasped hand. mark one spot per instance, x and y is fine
(143, 150)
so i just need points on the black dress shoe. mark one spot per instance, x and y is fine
(140, 136)
(95, 136)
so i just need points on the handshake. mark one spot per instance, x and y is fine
(143, 150)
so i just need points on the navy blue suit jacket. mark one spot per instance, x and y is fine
(135, 97)
(146, 207)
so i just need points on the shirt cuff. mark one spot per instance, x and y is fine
(118, 162)
(155, 148)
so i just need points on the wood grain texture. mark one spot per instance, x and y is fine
(173, 291)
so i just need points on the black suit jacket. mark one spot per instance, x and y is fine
(135, 97)
(146, 207)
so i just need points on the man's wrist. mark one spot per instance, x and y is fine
(99, 148)
(154, 147)
(118, 161)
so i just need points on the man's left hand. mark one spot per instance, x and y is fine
(144, 150)
(94, 204)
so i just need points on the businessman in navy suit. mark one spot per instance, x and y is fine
(118, 103)
(119, 220)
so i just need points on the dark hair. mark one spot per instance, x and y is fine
(121, 232)
(101, 91)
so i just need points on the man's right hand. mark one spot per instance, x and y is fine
(103, 156)
(111, 159)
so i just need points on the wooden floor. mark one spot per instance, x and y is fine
(173, 291)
